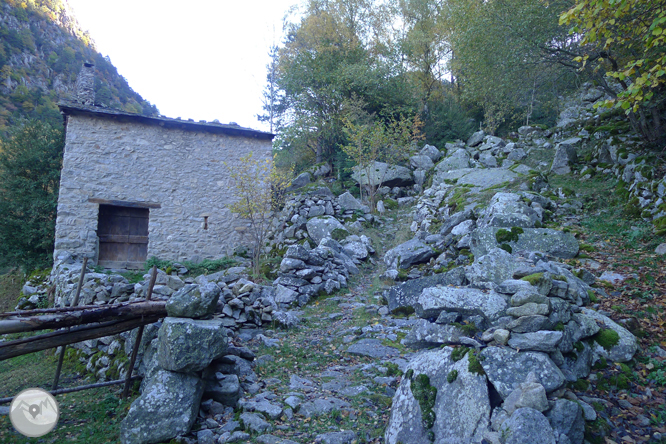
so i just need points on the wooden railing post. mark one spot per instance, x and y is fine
(135, 349)
(73, 304)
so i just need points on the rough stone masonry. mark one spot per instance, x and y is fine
(180, 170)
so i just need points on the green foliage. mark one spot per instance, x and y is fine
(474, 365)
(425, 394)
(339, 234)
(452, 376)
(581, 385)
(506, 59)
(30, 162)
(392, 369)
(626, 39)
(56, 47)
(533, 279)
(607, 338)
(390, 204)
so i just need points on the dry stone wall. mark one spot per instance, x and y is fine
(186, 172)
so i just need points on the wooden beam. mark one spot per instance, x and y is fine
(97, 314)
(122, 203)
(33, 344)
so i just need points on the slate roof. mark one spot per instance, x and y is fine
(73, 108)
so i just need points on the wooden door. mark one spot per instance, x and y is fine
(123, 236)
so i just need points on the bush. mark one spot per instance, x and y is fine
(30, 163)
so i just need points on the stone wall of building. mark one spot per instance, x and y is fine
(186, 172)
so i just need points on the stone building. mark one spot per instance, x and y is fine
(133, 186)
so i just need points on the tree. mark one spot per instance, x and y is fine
(374, 140)
(30, 163)
(259, 187)
(626, 39)
(511, 57)
(337, 50)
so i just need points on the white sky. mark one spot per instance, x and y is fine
(198, 59)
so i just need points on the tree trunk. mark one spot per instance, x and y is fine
(55, 321)
(33, 344)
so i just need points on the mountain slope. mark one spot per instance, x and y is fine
(42, 48)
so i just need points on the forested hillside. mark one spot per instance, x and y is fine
(458, 65)
(41, 52)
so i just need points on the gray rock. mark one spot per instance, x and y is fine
(425, 334)
(299, 182)
(628, 344)
(462, 407)
(432, 152)
(187, 345)
(336, 437)
(527, 425)
(546, 240)
(267, 408)
(487, 178)
(455, 220)
(407, 254)
(356, 250)
(284, 295)
(612, 277)
(526, 295)
(238, 436)
(206, 437)
(517, 154)
(488, 160)
(407, 293)
(545, 340)
(270, 439)
(476, 138)
(565, 155)
(529, 394)
(507, 369)
(254, 422)
(372, 348)
(508, 210)
(529, 309)
(349, 202)
(527, 324)
(661, 249)
(322, 406)
(294, 402)
(225, 389)
(421, 162)
(297, 252)
(457, 160)
(496, 266)
(166, 408)
(193, 301)
(322, 227)
(380, 173)
(468, 301)
(566, 418)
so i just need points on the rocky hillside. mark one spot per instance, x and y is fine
(42, 49)
(506, 291)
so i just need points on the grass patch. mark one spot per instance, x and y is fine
(10, 289)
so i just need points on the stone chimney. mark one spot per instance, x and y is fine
(85, 85)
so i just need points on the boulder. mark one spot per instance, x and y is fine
(323, 226)
(193, 301)
(187, 345)
(546, 240)
(476, 138)
(407, 254)
(565, 155)
(299, 182)
(566, 418)
(432, 152)
(167, 407)
(427, 335)
(485, 178)
(507, 369)
(407, 293)
(457, 160)
(496, 266)
(467, 301)
(527, 425)
(421, 162)
(349, 202)
(461, 410)
(508, 210)
(627, 345)
(544, 340)
(380, 173)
